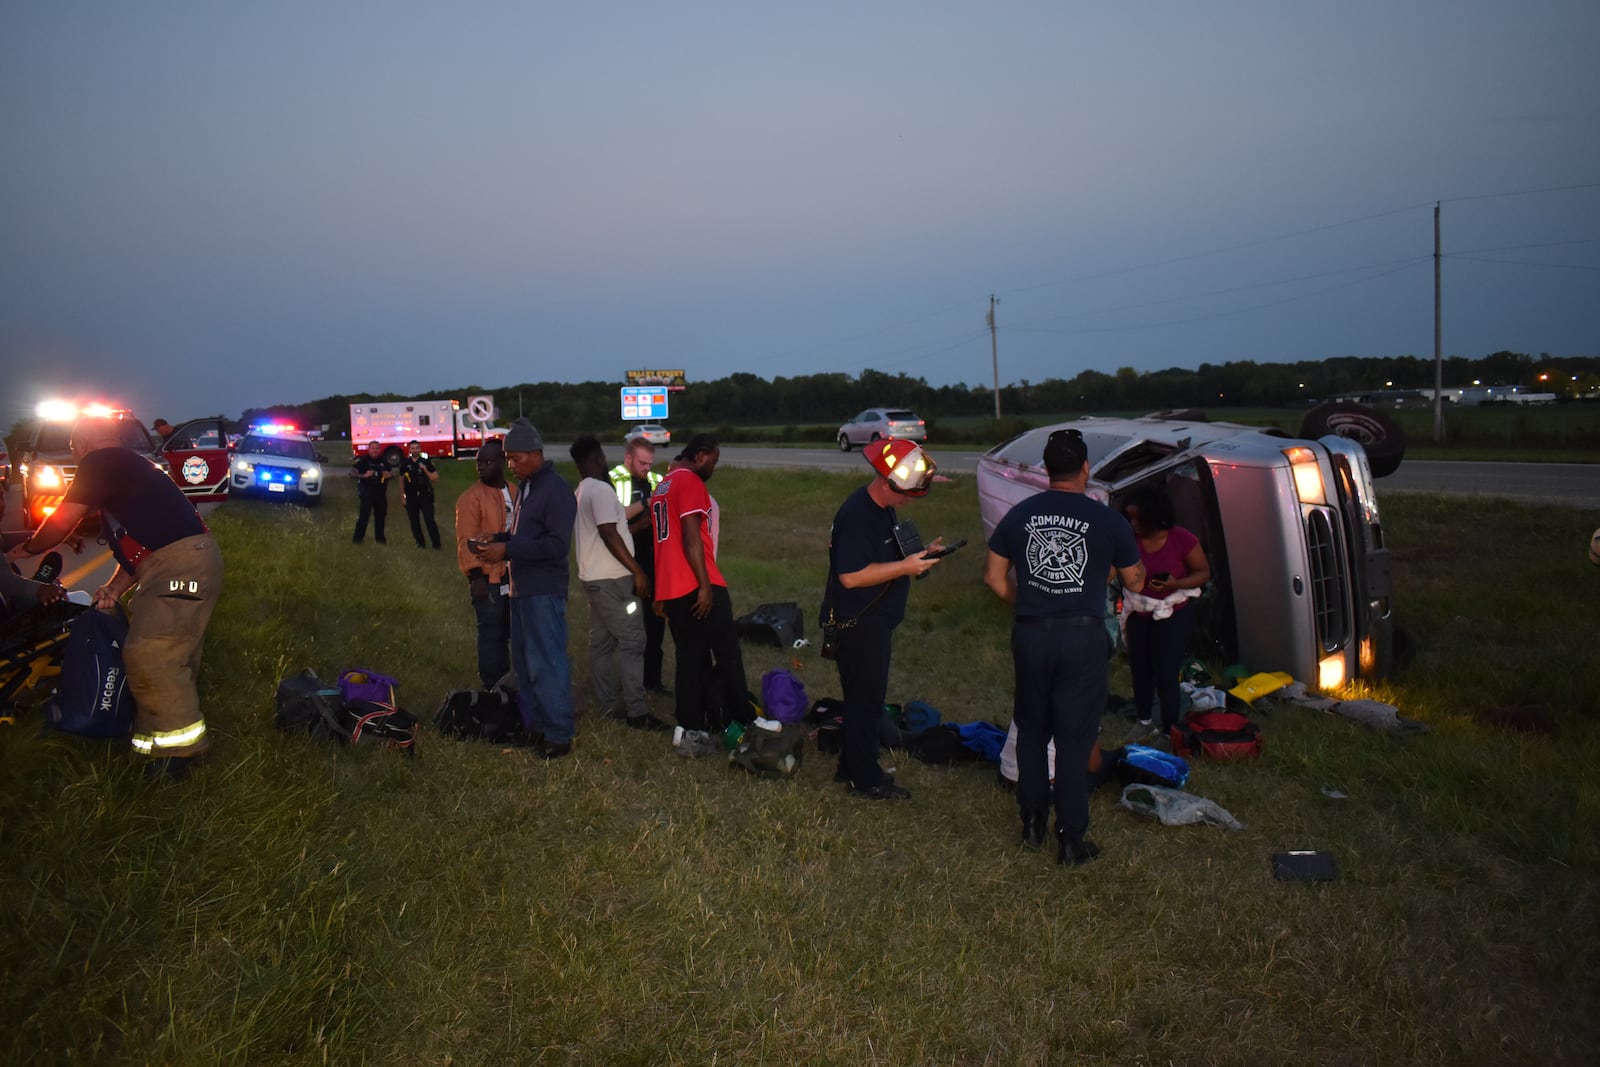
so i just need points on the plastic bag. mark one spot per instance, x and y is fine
(1174, 807)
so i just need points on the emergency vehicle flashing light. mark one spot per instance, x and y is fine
(275, 427)
(66, 410)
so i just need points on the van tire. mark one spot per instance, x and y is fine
(1378, 433)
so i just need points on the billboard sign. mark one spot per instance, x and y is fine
(644, 403)
(672, 380)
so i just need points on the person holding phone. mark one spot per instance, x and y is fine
(483, 513)
(1159, 622)
(869, 578)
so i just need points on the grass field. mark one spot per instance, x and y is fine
(294, 903)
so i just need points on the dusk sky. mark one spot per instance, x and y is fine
(211, 206)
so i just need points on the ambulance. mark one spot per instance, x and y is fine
(444, 428)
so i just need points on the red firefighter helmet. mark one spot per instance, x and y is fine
(907, 467)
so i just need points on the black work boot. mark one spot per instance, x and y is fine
(1073, 853)
(1033, 824)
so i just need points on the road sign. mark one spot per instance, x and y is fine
(644, 403)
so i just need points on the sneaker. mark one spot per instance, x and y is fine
(49, 568)
(659, 690)
(646, 722)
(884, 790)
(552, 749)
(1146, 723)
(692, 743)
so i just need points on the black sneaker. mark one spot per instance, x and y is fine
(49, 568)
(884, 790)
(552, 749)
(646, 722)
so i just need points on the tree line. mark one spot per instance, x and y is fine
(810, 400)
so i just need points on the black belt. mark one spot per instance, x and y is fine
(1059, 620)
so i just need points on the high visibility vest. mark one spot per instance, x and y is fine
(622, 480)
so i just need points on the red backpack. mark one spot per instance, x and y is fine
(1218, 735)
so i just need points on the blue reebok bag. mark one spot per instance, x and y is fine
(93, 698)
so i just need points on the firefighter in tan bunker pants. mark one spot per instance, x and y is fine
(169, 559)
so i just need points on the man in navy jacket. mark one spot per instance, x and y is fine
(536, 547)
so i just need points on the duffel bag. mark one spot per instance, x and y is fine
(1218, 735)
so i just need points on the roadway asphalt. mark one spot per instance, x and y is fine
(1571, 484)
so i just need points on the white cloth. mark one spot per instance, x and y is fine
(1160, 607)
(1008, 756)
(597, 506)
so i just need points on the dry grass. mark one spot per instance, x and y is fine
(300, 904)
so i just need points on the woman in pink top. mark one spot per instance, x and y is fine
(1173, 560)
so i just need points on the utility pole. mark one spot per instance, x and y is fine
(1438, 344)
(994, 354)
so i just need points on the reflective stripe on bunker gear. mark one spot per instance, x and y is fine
(150, 743)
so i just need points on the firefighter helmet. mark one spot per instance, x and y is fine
(904, 464)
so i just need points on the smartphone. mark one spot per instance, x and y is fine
(945, 550)
(473, 544)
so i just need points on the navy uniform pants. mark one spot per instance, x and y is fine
(1061, 685)
(863, 659)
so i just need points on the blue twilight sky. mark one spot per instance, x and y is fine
(207, 206)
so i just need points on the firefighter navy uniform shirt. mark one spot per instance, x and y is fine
(134, 496)
(1063, 546)
(863, 533)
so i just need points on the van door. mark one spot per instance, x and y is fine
(197, 453)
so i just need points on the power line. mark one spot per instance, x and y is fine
(1240, 311)
(958, 303)
(1523, 263)
(1521, 192)
(1217, 292)
(1221, 251)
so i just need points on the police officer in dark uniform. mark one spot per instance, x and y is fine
(1050, 558)
(417, 475)
(372, 487)
(869, 578)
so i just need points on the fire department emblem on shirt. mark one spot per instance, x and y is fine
(195, 470)
(1056, 555)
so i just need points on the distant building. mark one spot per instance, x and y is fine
(1469, 395)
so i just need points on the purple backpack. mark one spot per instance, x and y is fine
(359, 683)
(783, 697)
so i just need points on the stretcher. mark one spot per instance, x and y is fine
(31, 645)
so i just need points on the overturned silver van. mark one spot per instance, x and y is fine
(1300, 571)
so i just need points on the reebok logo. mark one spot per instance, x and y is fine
(108, 692)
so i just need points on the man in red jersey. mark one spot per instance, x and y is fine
(692, 594)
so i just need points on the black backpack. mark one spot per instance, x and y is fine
(307, 704)
(481, 715)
